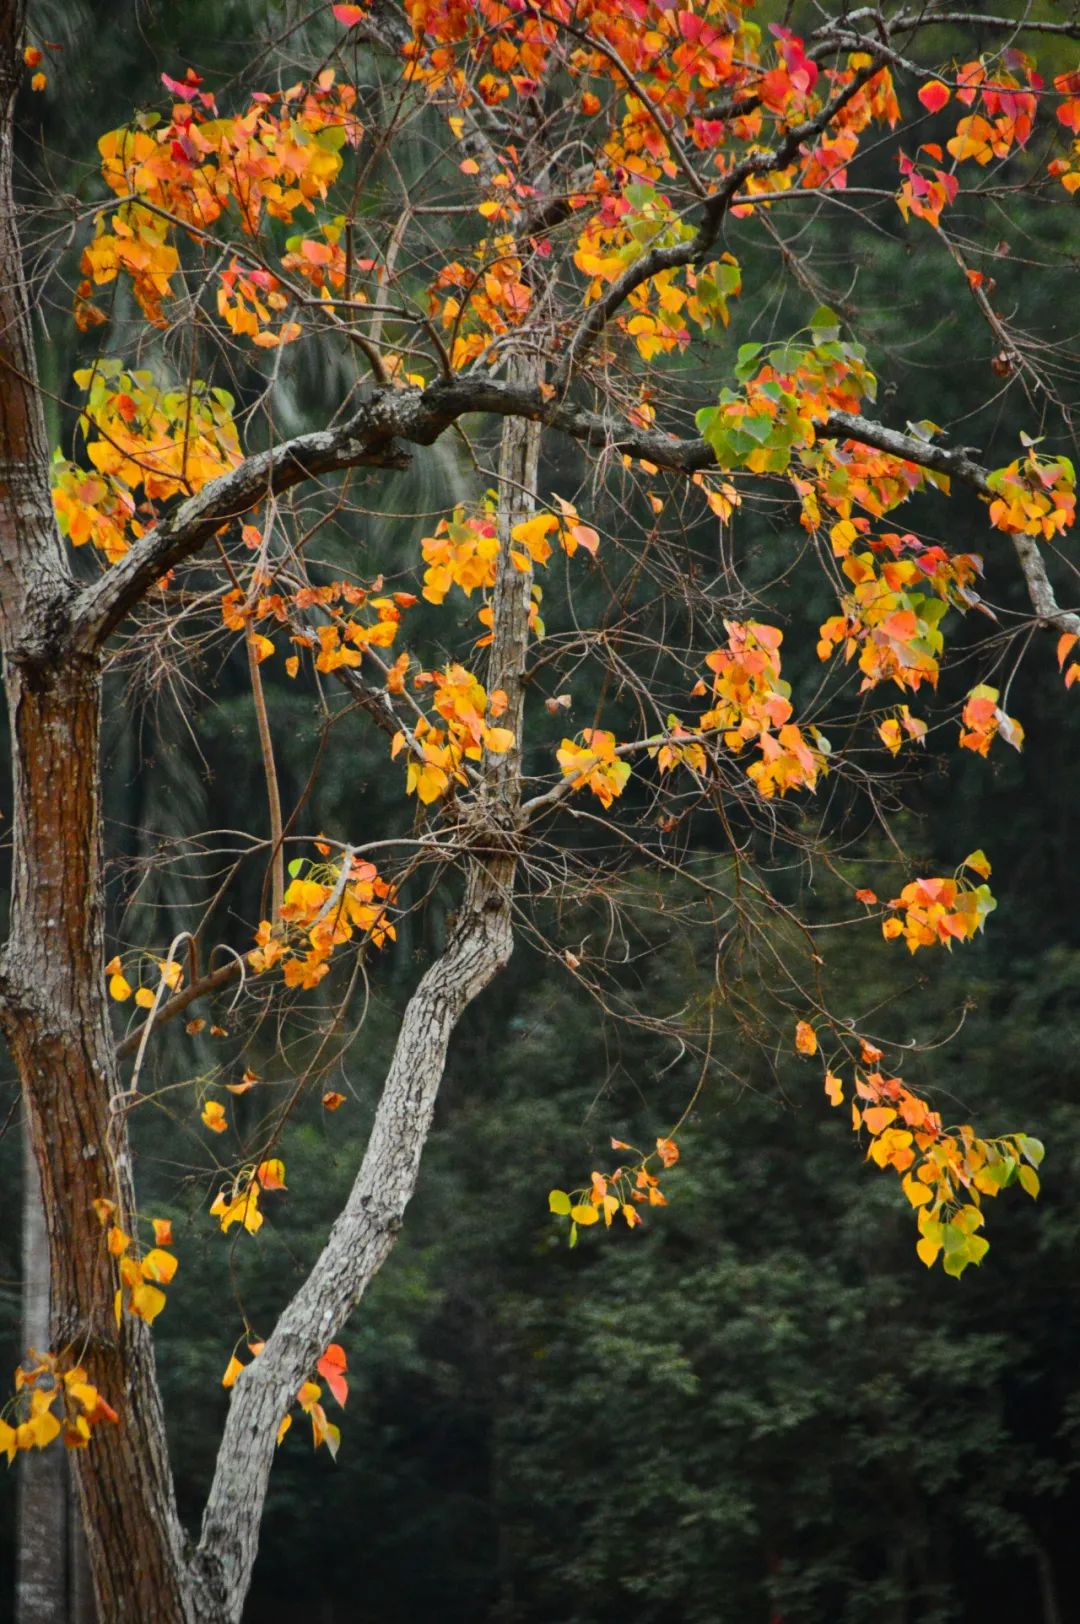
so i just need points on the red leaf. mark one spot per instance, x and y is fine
(934, 95)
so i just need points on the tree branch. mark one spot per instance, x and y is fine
(715, 208)
(377, 436)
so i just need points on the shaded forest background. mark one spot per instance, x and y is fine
(763, 1407)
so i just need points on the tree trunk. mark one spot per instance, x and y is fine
(56, 1023)
(53, 1006)
(41, 1524)
(52, 1575)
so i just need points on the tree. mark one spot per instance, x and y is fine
(553, 262)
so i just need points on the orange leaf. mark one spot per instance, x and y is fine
(332, 1367)
(232, 1370)
(213, 1115)
(805, 1038)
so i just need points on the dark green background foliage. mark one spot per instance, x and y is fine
(762, 1407)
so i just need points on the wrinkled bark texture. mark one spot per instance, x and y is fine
(360, 1241)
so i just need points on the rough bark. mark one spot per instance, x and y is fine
(41, 1522)
(52, 1575)
(364, 1233)
(52, 996)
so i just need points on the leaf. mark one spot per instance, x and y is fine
(163, 1235)
(934, 95)
(824, 324)
(159, 1265)
(805, 1038)
(584, 1215)
(332, 1367)
(834, 1089)
(332, 1100)
(349, 15)
(1029, 1181)
(559, 1202)
(979, 862)
(668, 1151)
(147, 1303)
(1066, 642)
(1032, 1150)
(271, 1174)
(213, 1115)
(928, 1251)
(232, 1370)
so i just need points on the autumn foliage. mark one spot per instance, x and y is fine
(605, 166)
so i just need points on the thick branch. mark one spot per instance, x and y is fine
(377, 435)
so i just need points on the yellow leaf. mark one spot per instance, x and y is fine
(160, 1266)
(213, 1115)
(119, 988)
(928, 1251)
(144, 998)
(584, 1215)
(1029, 1181)
(39, 1431)
(286, 1423)
(147, 1303)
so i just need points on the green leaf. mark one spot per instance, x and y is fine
(1032, 1150)
(746, 359)
(559, 1202)
(296, 867)
(825, 323)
